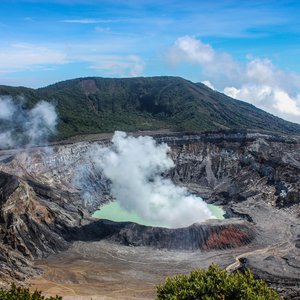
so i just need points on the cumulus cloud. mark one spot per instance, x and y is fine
(272, 99)
(208, 83)
(258, 81)
(261, 71)
(256, 94)
(134, 167)
(187, 48)
(191, 50)
(20, 127)
(286, 104)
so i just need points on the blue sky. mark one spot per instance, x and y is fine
(247, 49)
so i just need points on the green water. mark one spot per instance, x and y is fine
(217, 211)
(114, 212)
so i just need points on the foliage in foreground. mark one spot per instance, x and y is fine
(215, 284)
(18, 293)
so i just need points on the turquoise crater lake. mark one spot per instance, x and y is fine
(114, 212)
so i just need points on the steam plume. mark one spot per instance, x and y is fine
(20, 127)
(134, 167)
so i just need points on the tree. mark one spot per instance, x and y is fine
(19, 293)
(215, 284)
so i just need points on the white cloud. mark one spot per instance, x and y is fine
(272, 99)
(114, 65)
(260, 70)
(137, 65)
(20, 57)
(89, 21)
(27, 56)
(189, 49)
(258, 81)
(208, 83)
(102, 29)
(286, 104)
(255, 94)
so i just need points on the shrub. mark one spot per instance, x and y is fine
(215, 284)
(18, 293)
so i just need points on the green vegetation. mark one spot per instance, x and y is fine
(94, 105)
(215, 284)
(18, 293)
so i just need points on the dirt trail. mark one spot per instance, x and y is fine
(275, 250)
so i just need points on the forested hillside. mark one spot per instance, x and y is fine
(90, 105)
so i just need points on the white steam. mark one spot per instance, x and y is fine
(20, 127)
(7, 108)
(135, 166)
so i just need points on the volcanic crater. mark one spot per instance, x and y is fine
(50, 240)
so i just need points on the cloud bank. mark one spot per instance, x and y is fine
(134, 167)
(258, 81)
(20, 127)
(19, 57)
(29, 57)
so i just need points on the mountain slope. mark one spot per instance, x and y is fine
(89, 105)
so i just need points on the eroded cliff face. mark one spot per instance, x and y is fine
(45, 204)
(33, 220)
(228, 169)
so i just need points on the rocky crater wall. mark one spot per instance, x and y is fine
(224, 170)
(42, 210)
